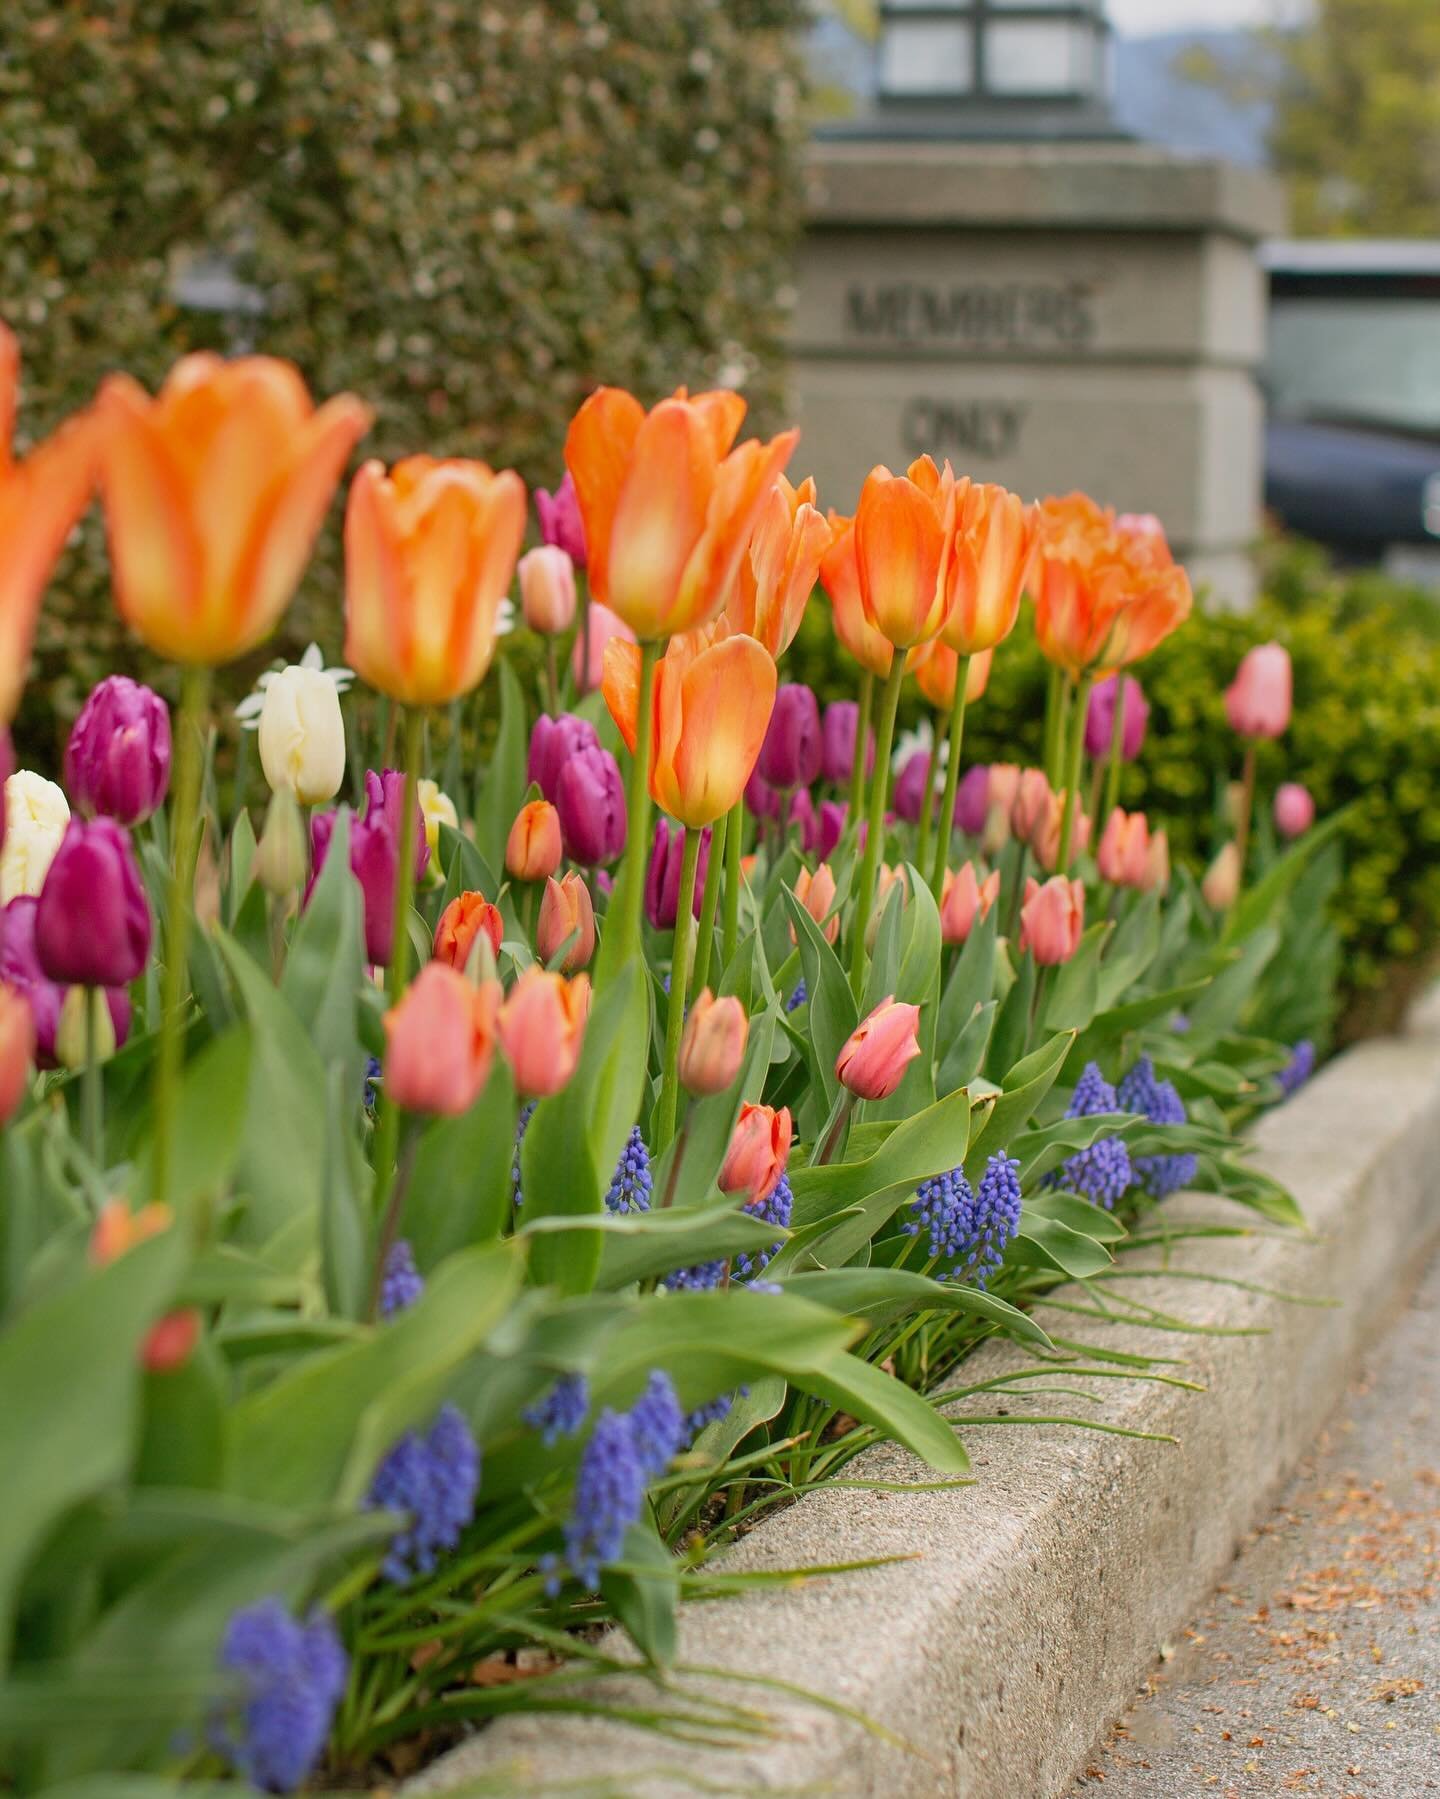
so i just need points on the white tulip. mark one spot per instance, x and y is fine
(302, 735)
(36, 814)
(437, 809)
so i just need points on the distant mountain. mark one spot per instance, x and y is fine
(1155, 99)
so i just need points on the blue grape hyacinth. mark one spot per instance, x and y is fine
(402, 1283)
(292, 1676)
(562, 1411)
(944, 1209)
(625, 1452)
(798, 997)
(658, 1423)
(631, 1185)
(775, 1208)
(1158, 1101)
(996, 1216)
(698, 1278)
(522, 1124)
(1299, 1068)
(1102, 1172)
(434, 1479)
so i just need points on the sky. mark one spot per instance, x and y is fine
(1174, 15)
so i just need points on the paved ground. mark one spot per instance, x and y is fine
(1316, 1666)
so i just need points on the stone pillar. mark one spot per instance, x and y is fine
(1050, 316)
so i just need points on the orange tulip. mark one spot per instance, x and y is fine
(533, 848)
(713, 698)
(816, 893)
(840, 577)
(169, 1342)
(542, 1026)
(903, 527)
(461, 923)
(778, 574)
(566, 909)
(1157, 863)
(668, 506)
(40, 500)
(214, 491)
(430, 550)
(17, 1049)
(1105, 593)
(758, 1153)
(440, 1041)
(936, 668)
(713, 1046)
(995, 534)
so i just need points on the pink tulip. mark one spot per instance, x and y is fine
(1157, 863)
(713, 1045)
(1124, 853)
(601, 625)
(1031, 803)
(1221, 885)
(1045, 838)
(547, 589)
(1052, 920)
(873, 1059)
(1294, 809)
(759, 1150)
(964, 899)
(440, 1041)
(1258, 700)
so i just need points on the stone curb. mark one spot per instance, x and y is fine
(1032, 1603)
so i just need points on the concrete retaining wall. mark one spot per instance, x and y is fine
(1039, 1596)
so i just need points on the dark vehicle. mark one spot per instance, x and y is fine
(1352, 452)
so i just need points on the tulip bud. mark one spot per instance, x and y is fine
(1157, 863)
(36, 815)
(20, 968)
(566, 910)
(1124, 853)
(92, 925)
(587, 659)
(1294, 809)
(965, 898)
(1258, 700)
(440, 1041)
(302, 735)
(375, 863)
(885, 879)
(547, 589)
(838, 733)
(873, 1059)
(830, 827)
(462, 923)
(170, 1342)
(533, 850)
(1045, 838)
(1221, 885)
(913, 786)
(972, 800)
(662, 879)
(1052, 920)
(560, 520)
(17, 1050)
(117, 761)
(1031, 805)
(1100, 718)
(713, 1045)
(436, 808)
(790, 754)
(758, 1153)
(280, 863)
(542, 1028)
(72, 1039)
(385, 802)
(554, 743)
(816, 893)
(590, 798)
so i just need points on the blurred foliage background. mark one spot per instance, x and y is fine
(469, 213)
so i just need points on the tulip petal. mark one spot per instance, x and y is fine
(374, 583)
(727, 696)
(899, 549)
(660, 516)
(621, 687)
(597, 453)
(741, 489)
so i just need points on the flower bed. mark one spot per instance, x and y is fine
(370, 1337)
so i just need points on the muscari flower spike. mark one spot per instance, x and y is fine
(293, 1676)
(798, 997)
(434, 1479)
(625, 1452)
(631, 1186)
(1161, 1104)
(996, 1216)
(562, 1411)
(1102, 1172)
(698, 1278)
(522, 1123)
(1299, 1068)
(775, 1208)
(944, 1208)
(402, 1283)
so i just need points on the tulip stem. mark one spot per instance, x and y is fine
(405, 868)
(92, 1090)
(952, 779)
(734, 833)
(1247, 807)
(862, 738)
(624, 940)
(189, 756)
(879, 792)
(663, 1127)
(1117, 741)
(719, 838)
(1075, 748)
(1054, 701)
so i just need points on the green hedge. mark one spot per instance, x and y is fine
(1365, 735)
(469, 211)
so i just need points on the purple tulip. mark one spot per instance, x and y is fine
(790, 754)
(552, 743)
(804, 819)
(842, 722)
(92, 923)
(374, 858)
(760, 797)
(590, 798)
(833, 814)
(662, 881)
(1100, 718)
(20, 968)
(912, 785)
(385, 797)
(560, 520)
(7, 768)
(972, 799)
(117, 762)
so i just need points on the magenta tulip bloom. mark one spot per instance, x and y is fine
(1294, 809)
(760, 797)
(117, 762)
(972, 800)
(20, 968)
(790, 755)
(662, 881)
(374, 856)
(92, 922)
(590, 798)
(912, 784)
(552, 743)
(560, 521)
(804, 820)
(1100, 718)
(1258, 700)
(833, 814)
(838, 732)
(385, 796)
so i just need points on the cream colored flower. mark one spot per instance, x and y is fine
(36, 814)
(438, 809)
(302, 735)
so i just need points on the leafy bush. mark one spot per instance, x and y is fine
(447, 206)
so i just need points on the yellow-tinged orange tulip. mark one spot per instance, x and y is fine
(995, 534)
(430, 550)
(904, 525)
(668, 505)
(533, 848)
(778, 574)
(214, 491)
(936, 668)
(840, 577)
(713, 698)
(1106, 591)
(40, 499)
